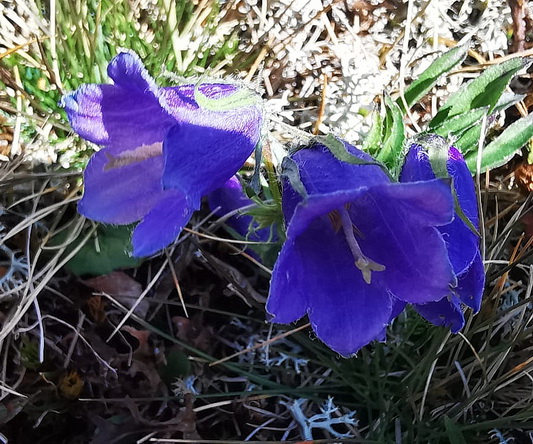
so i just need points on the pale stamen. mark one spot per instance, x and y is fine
(366, 265)
(136, 155)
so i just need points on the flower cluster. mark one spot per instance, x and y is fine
(359, 246)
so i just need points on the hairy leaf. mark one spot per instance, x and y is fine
(485, 90)
(447, 61)
(505, 146)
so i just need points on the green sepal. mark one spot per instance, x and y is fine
(339, 151)
(459, 210)
(393, 136)
(372, 142)
(239, 99)
(266, 214)
(437, 149)
(290, 171)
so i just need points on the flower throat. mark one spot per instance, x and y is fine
(341, 219)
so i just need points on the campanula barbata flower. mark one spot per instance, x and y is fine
(231, 198)
(164, 147)
(461, 240)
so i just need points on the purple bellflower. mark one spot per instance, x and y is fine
(462, 242)
(357, 245)
(164, 148)
(230, 198)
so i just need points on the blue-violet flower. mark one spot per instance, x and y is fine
(462, 242)
(164, 148)
(230, 198)
(356, 245)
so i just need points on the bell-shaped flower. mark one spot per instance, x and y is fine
(164, 147)
(356, 245)
(461, 240)
(230, 201)
(230, 198)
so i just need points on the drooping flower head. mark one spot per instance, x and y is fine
(231, 199)
(356, 245)
(422, 163)
(164, 148)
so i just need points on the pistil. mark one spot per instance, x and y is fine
(363, 263)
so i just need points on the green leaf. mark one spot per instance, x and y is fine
(506, 100)
(240, 98)
(483, 91)
(177, 366)
(459, 124)
(505, 146)
(447, 61)
(372, 142)
(394, 136)
(255, 183)
(469, 140)
(455, 435)
(110, 250)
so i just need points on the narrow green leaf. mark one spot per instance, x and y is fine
(505, 146)
(506, 100)
(455, 435)
(395, 136)
(469, 140)
(255, 183)
(447, 61)
(459, 124)
(483, 91)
